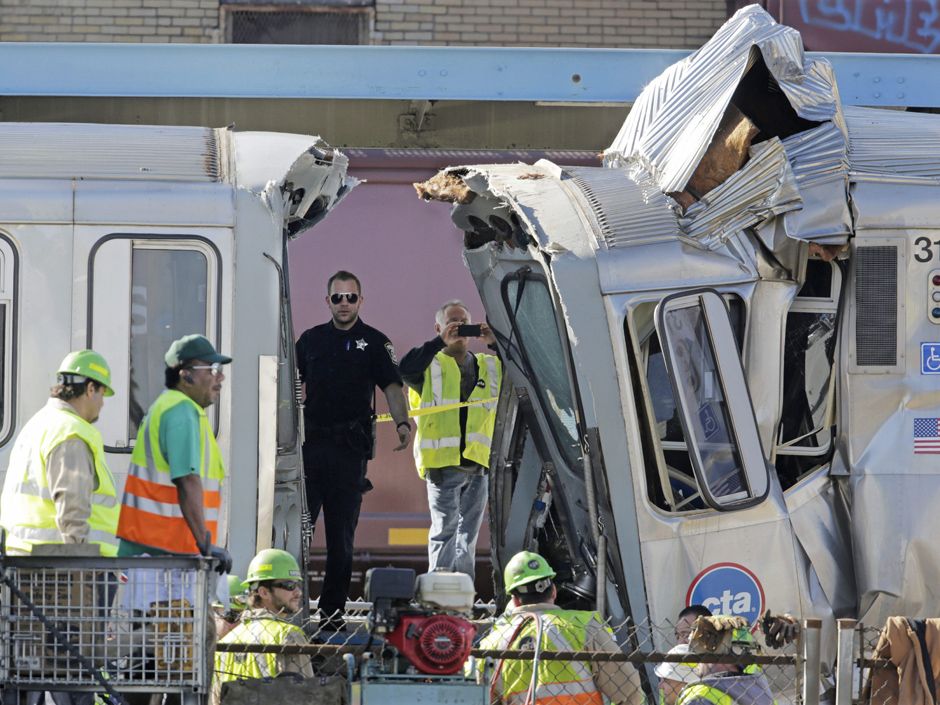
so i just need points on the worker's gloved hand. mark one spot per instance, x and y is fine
(779, 629)
(713, 635)
(217, 552)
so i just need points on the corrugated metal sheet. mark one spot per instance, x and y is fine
(627, 211)
(893, 142)
(76, 151)
(674, 119)
(819, 160)
(764, 187)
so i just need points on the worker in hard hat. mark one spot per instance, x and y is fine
(226, 618)
(58, 487)
(274, 596)
(724, 682)
(535, 622)
(673, 677)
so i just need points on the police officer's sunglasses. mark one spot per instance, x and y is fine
(351, 296)
(214, 369)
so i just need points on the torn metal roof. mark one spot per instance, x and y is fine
(673, 121)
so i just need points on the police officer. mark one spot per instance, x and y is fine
(533, 614)
(341, 363)
(275, 594)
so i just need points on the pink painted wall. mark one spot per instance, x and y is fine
(407, 254)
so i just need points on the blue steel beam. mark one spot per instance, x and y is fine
(417, 73)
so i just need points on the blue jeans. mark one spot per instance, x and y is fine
(457, 500)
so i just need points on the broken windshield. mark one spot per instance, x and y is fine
(530, 305)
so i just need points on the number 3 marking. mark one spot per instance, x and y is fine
(926, 249)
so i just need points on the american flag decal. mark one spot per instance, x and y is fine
(927, 435)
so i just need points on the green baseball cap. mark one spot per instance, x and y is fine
(193, 347)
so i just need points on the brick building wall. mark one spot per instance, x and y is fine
(676, 24)
(159, 21)
(545, 23)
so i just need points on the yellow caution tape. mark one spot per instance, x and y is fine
(382, 418)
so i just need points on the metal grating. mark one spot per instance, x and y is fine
(627, 213)
(91, 151)
(298, 25)
(876, 306)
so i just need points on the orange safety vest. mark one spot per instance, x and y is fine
(150, 511)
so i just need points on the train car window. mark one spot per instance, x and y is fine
(532, 309)
(714, 406)
(671, 480)
(168, 300)
(145, 292)
(8, 284)
(803, 438)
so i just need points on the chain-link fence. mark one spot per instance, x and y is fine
(125, 626)
(512, 659)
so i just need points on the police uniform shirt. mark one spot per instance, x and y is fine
(341, 369)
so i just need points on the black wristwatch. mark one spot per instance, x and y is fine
(403, 423)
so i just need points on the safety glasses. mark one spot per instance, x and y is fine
(350, 296)
(214, 369)
(289, 585)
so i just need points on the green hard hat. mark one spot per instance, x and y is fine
(523, 568)
(237, 593)
(273, 564)
(742, 637)
(89, 364)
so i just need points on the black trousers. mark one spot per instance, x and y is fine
(335, 477)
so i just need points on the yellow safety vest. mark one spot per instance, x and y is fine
(437, 441)
(150, 511)
(743, 691)
(230, 666)
(558, 682)
(27, 509)
(697, 692)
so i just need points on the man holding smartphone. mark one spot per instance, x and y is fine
(452, 443)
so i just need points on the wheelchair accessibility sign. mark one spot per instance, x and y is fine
(930, 358)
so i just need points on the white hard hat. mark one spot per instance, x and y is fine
(682, 672)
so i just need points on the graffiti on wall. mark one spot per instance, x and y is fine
(866, 25)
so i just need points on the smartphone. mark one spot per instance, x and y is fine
(469, 330)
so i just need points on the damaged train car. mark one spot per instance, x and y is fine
(722, 345)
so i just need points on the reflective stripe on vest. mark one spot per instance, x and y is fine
(700, 693)
(150, 511)
(558, 682)
(437, 440)
(27, 509)
(230, 665)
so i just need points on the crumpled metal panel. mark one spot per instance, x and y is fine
(673, 121)
(820, 163)
(763, 188)
(893, 142)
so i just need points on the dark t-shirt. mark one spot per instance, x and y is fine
(341, 369)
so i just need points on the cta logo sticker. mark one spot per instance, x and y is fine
(728, 588)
